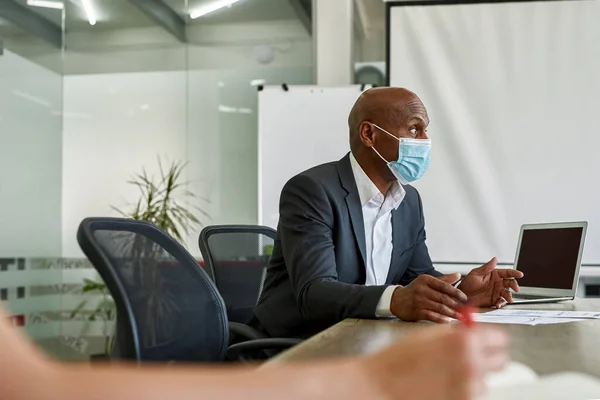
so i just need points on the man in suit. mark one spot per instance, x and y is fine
(351, 234)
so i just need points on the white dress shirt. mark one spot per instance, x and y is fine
(377, 217)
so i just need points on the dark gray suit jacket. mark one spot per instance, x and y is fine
(317, 272)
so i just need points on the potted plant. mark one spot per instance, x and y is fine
(104, 311)
(160, 203)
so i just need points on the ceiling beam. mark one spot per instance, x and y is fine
(303, 9)
(31, 22)
(164, 15)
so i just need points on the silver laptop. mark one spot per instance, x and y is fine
(550, 257)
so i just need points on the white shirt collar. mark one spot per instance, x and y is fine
(367, 191)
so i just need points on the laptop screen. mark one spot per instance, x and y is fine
(548, 257)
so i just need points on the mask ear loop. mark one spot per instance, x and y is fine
(387, 162)
(375, 150)
(383, 130)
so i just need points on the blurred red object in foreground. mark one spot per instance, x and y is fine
(467, 314)
(17, 320)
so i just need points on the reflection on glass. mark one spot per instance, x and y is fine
(31, 169)
(76, 125)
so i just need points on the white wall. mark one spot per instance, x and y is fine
(224, 138)
(129, 98)
(115, 125)
(30, 158)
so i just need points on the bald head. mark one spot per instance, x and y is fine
(388, 107)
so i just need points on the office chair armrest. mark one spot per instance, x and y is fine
(235, 352)
(248, 333)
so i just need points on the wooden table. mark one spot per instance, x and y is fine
(572, 346)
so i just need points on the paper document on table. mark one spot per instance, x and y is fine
(534, 317)
(520, 320)
(563, 386)
(546, 313)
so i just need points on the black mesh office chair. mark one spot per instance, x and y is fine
(236, 257)
(168, 309)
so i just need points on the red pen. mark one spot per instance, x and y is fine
(466, 313)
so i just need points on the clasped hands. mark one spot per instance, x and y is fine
(436, 299)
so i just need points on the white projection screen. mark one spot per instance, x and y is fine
(513, 93)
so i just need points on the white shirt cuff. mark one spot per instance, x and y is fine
(385, 303)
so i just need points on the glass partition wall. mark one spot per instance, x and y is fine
(125, 114)
(31, 78)
(110, 89)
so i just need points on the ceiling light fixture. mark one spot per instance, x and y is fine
(46, 4)
(89, 11)
(257, 82)
(214, 6)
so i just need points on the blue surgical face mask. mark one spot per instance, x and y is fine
(414, 156)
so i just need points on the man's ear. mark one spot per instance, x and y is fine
(366, 132)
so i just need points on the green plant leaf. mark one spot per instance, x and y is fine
(77, 309)
(123, 213)
(166, 202)
(92, 286)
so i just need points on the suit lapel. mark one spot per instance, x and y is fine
(353, 202)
